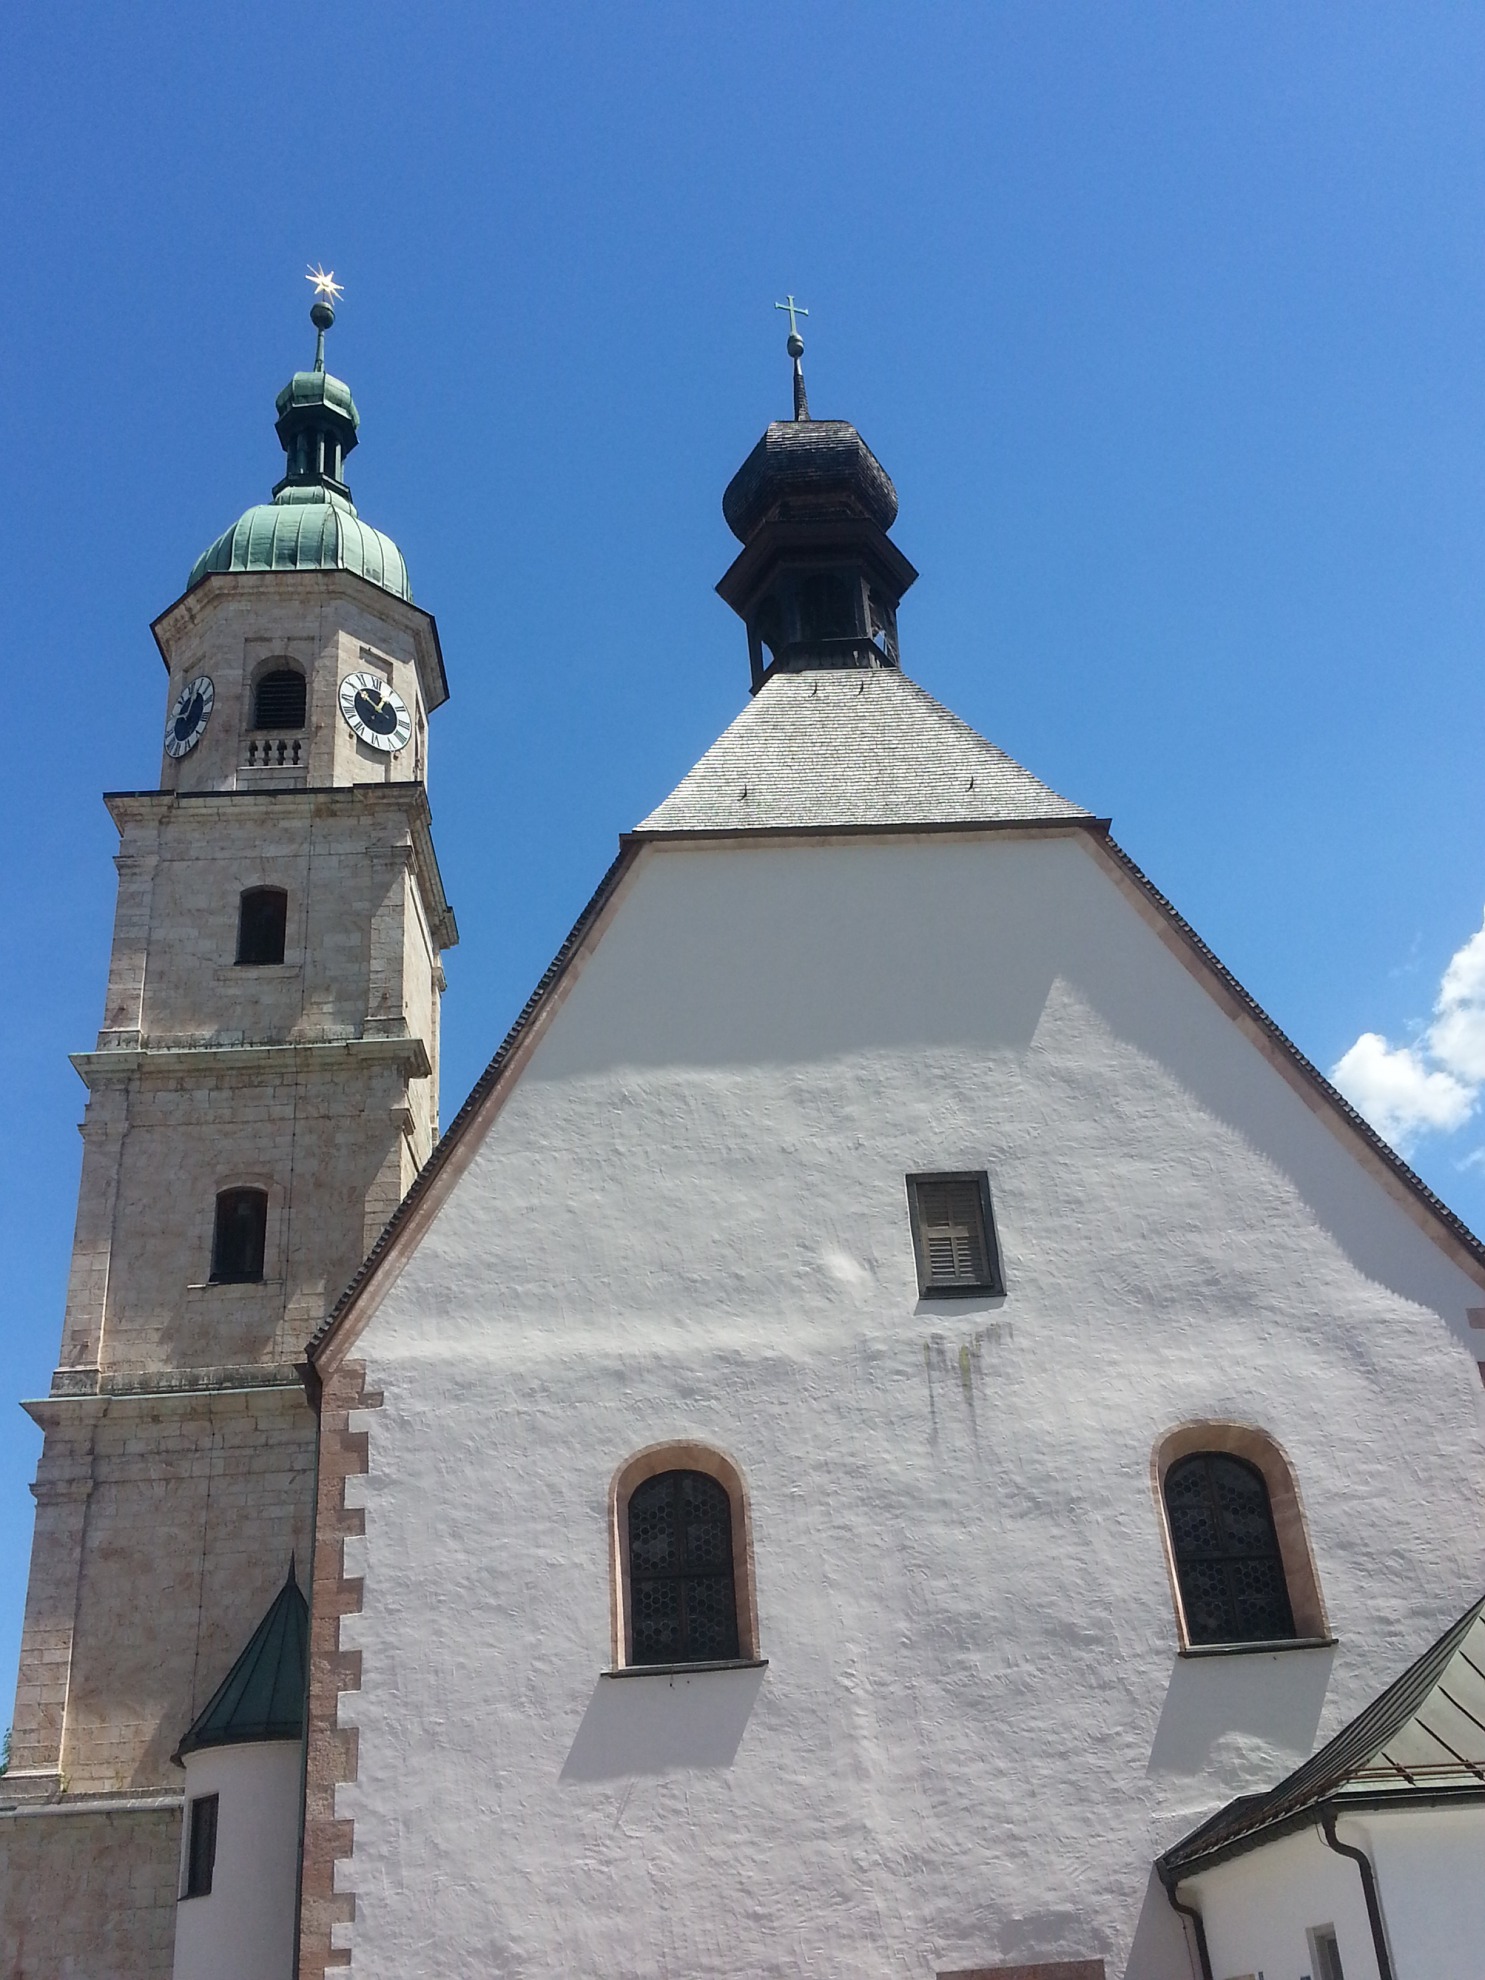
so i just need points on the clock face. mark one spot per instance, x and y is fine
(374, 712)
(186, 723)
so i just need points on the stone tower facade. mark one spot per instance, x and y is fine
(263, 1090)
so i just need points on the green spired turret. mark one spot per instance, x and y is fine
(311, 524)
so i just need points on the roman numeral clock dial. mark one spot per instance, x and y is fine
(189, 713)
(375, 712)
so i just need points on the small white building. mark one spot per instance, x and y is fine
(899, 1394)
(1370, 1858)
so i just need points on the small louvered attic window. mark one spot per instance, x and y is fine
(954, 1233)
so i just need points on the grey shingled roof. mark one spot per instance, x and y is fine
(1423, 1738)
(852, 747)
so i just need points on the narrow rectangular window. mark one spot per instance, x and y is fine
(239, 1236)
(954, 1233)
(1326, 1953)
(262, 918)
(201, 1846)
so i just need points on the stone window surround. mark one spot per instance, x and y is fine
(632, 1473)
(1292, 1529)
(275, 1235)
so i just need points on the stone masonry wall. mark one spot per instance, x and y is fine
(88, 1896)
(165, 1528)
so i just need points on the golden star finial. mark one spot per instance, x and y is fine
(326, 285)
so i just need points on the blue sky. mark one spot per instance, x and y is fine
(1168, 322)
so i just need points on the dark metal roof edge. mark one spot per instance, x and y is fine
(1076, 822)
(1253, 1818)
(266, 1735)
(1175, 1867)
(488, 1080)
(1412, 1181)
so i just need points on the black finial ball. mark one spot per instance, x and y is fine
(795, 345)
(322, 313)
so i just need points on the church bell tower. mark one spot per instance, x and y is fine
(263, 1089)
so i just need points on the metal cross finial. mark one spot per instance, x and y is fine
(795, 348)
(794, 311)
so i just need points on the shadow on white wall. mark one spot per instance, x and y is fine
(1246, 1720)
(662, 1725)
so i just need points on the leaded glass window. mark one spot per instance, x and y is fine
(682, 1596)
(1231, 1572)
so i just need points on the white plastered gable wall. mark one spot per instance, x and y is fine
(682, 1216)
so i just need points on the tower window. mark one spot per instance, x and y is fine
(280, 700)
(201, 1845)
(238, 1237)
(1228, 1563)
(262, 916)
(825, 608)
(683, 1599)
(954, 1233)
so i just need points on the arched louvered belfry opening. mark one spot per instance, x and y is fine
(1229, 1564)
(279, 699)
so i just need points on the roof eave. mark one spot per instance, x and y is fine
(1175, 1867)
(880, 829)
(432, 673)
(407, 1220)
(775, 542)
(1404, 1184)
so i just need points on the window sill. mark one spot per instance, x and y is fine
(961, 1292)
(1263, 1647)
(685, 1670)
(229, 1285)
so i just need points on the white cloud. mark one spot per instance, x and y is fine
(1456, 1037)
(1431, 1087)
(1398, 1093)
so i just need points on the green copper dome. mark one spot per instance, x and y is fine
(323, 535)
(311, 524)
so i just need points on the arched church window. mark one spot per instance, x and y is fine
(238, 1237)
(683, 1595)
(279, 700)
(262, 918)
(1228, 1560)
